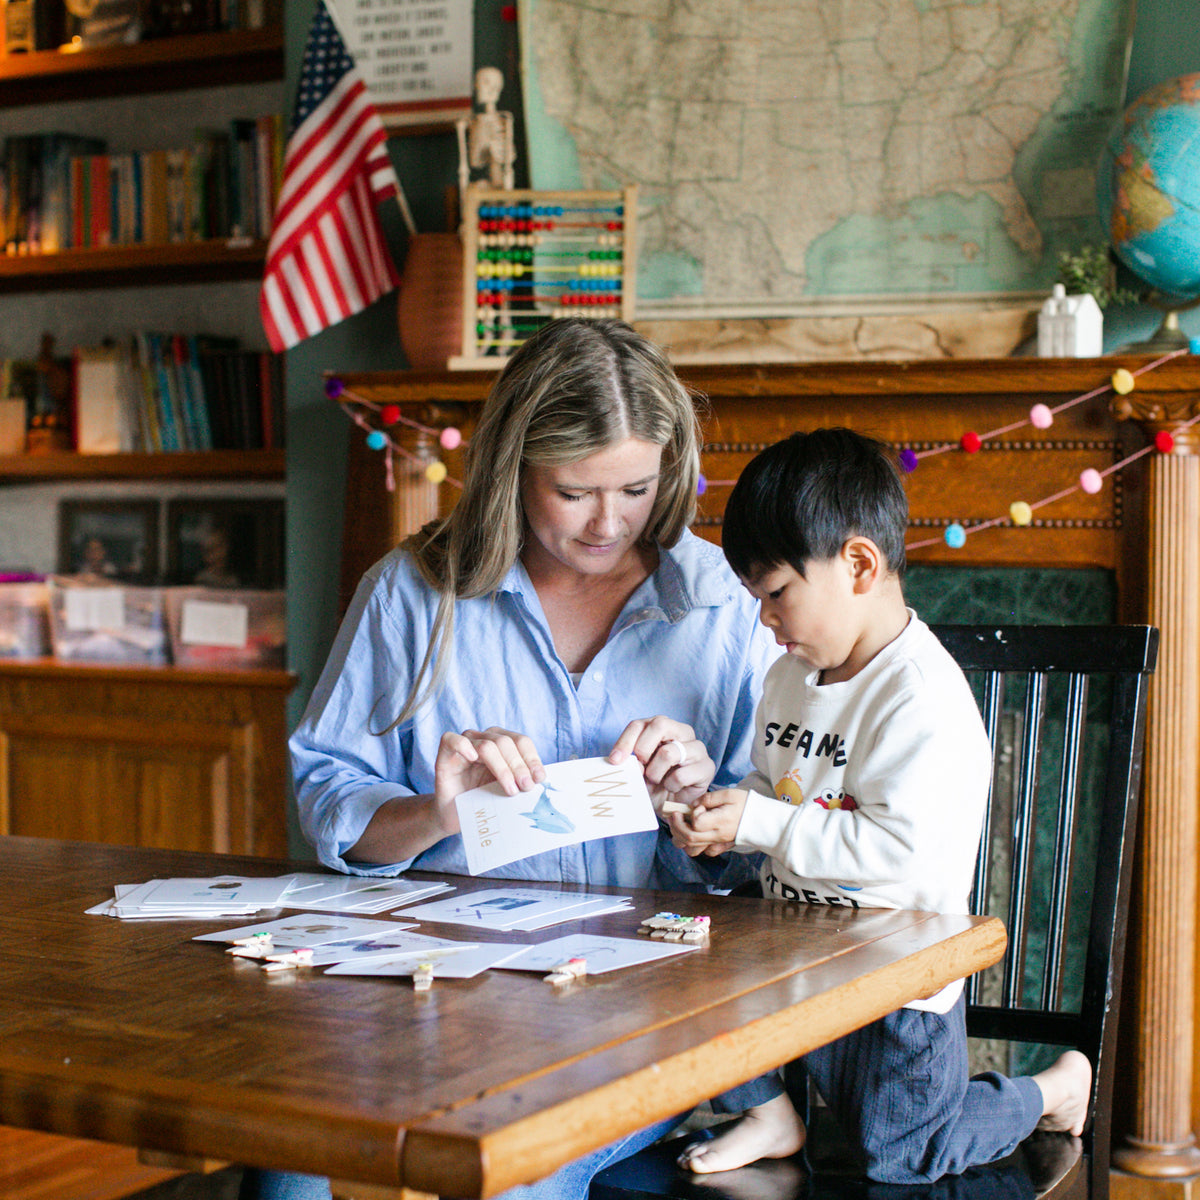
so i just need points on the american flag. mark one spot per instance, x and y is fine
(327, 258)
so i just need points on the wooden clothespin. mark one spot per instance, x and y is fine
(566, 972)
(423, 977)
(672, 927)
(288, 961)
(660, 920)
(674, 806)
(257, 945)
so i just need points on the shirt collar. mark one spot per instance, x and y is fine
(692, 574)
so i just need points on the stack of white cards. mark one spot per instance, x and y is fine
(358, 893)
(602, 954)
(350, 945)
(236, 895)
(518, 909)
(194, 899)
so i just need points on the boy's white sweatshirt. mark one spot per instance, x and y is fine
(870, 793)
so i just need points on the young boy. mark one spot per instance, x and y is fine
(872, 770)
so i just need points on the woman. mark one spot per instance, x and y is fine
(560, 603)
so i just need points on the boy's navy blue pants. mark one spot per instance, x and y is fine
(900, 1090)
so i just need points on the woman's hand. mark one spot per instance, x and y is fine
(676, 766)
(405, 825)
(475, 757)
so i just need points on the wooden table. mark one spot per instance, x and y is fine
(130, 1032)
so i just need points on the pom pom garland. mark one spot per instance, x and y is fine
(1020, 512)
(1041, 416)
(376, 439)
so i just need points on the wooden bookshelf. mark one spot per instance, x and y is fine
(219, 261)
(196, 60)
(239, 465)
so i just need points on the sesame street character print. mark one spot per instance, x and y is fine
(790, 789)
(832, 798)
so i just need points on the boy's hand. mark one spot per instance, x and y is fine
(711, 826)
(675, 764)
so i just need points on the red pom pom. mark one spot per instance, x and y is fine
(1164, 443)
(508, 13)
(970, 441)
(389, 414)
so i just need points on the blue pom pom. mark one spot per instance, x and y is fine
(376, 440)
(956, 536)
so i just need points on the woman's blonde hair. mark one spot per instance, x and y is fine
(576, 387)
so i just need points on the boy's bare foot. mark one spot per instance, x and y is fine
(1066, 1088)
(771, 1130)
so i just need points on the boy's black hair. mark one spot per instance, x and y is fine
(801, 499)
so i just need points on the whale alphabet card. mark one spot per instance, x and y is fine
(581, 800)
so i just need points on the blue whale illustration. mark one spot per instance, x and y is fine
(547, 818)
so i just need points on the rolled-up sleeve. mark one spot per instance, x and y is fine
(344, 763)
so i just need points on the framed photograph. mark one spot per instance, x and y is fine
(113, 540)
(223, 543)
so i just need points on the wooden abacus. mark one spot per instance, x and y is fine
(531, 256)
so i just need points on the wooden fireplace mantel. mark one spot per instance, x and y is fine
(1144, 525)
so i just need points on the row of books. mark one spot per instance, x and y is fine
(65, 191)
(163, 392)
(56, 25)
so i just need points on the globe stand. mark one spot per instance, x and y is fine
(1166, 338)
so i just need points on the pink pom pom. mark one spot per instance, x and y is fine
(1091, 481)
(1040, 417)
(450, 438)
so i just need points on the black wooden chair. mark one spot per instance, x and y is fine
(1065, 710)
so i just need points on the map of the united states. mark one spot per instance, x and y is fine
(788, 150)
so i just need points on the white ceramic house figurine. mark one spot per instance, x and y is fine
(1070, 326)
(485, 141)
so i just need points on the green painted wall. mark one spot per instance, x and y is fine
(1166, 43)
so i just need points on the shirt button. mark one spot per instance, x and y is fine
(598, 676)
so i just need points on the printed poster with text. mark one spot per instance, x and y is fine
(580, 801)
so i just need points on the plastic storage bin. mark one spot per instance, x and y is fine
(24, 620)
(212, 627)
(107, 622)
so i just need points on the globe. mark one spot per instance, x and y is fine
(1148, 188)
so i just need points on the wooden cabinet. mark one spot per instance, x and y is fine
(164, 757)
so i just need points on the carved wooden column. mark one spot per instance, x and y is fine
(1161, 1145)
(413, 499)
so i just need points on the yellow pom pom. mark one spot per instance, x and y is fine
(435, 472)
(1122, 381)
(1020, 512)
